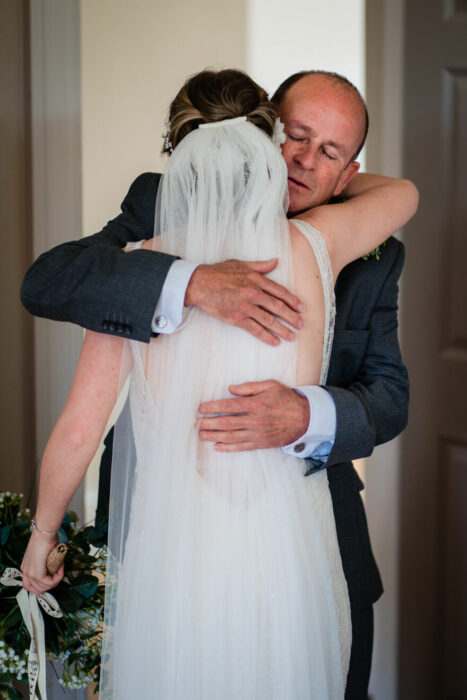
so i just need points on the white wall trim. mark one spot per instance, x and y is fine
(385, 60)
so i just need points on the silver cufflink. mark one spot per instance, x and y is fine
(161, 321)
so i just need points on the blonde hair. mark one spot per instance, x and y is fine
(212, 96)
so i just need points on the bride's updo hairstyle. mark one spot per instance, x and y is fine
(212, 96)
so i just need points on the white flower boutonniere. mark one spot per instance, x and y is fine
(278, 136)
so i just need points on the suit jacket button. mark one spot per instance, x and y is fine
(112, 326)
(299, 447)
(161, 321)
(105, 325)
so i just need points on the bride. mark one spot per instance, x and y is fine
(224, 575)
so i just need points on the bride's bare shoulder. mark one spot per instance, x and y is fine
(297, 238)
(303, 252)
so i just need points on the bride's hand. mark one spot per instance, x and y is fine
(139, 245)
(148, 244)
(239, 293)
(36, 579)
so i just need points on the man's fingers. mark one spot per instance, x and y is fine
(262, 266)
(226, 437)
(265, 414)
(256, 329)
(272, 324)
(237, 421)
(224, 406)
(280, 311)
(239, 294)
(280, 292)
(236, 447)
(240, 405)
(251, 388)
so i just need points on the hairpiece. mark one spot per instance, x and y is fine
(224, 122)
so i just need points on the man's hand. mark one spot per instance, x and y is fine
(239, 294)
(269, 414)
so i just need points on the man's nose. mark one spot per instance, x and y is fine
(306, 156)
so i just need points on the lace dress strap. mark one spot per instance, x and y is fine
(317, 242)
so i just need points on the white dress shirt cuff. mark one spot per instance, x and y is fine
(170, 314)
(319, 438)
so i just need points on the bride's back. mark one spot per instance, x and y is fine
(309, 289)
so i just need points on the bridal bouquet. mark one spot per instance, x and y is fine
(74, 639)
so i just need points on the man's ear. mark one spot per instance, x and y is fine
(350, 171)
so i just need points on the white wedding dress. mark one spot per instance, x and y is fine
(230, 582)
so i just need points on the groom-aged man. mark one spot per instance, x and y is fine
(365, 400)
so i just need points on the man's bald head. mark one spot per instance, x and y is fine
(339, 82)
(326, 122)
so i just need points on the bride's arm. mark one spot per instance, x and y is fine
(375, 208)
(71, 446)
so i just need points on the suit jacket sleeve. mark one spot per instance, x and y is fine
(93, 283)
(373, 407)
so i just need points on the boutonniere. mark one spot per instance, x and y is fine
(376, 253)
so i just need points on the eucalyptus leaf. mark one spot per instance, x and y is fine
(62, 536)
(10, 693)
(4, 534)
(12, 620)
(92, 534)
(70, 625)
(70, 601)
(80, 541)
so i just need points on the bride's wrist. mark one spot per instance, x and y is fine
(48, 533)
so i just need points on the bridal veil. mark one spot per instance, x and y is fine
(224, 577)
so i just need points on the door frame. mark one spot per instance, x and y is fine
(384, 38)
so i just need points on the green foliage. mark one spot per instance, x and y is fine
(74, 639)
(376, 253)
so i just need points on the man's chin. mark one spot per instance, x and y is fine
(297, 206)
(291, 214)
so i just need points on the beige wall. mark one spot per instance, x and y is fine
(133, 58)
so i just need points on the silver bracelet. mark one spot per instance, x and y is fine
(44, 532)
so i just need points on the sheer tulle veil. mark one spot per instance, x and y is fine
(212, 585)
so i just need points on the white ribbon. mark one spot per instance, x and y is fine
(29, 605)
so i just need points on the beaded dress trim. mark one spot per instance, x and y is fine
(320, 250)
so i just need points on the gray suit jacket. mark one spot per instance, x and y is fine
(91, 282)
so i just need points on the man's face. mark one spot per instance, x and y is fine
(324, 126)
